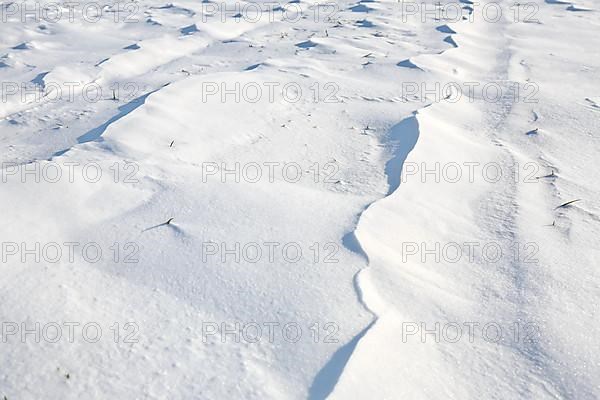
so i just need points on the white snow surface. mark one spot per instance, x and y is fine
(361, 318)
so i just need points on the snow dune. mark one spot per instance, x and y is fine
(338, 102)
